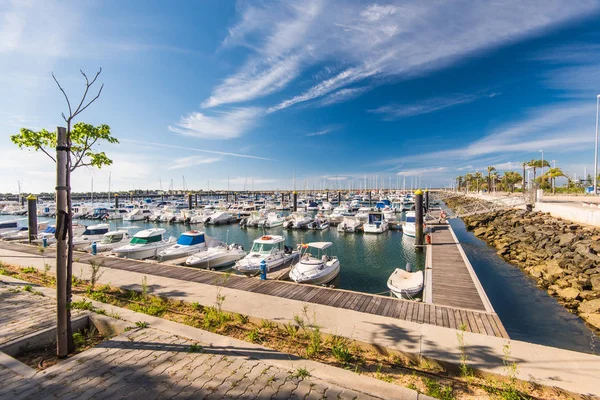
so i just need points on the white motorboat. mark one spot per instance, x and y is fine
(318, 224)
(349, 224)
(405, 284)
(50, 231)
(363, 214)
(109, 241)
(255, 219)
(145, 244)
(218, 217)
(376, 223)
(217, 256)
(270, 249)
(273, 220)
(409, 225)
(91, 234)
(315, 265)
(9, 226)
(326, 206)
(297, 220)
(138, 214)
(188, 243)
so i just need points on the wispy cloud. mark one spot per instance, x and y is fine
(324, 131)
(398, 111)
(219, 125)
(185, 162)
(172, 146)
(423, 171)
(367, 41)
(343, 95)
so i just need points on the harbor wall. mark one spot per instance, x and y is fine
(562, 256)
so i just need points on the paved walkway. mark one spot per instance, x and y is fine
(574, 371)
(165, 361)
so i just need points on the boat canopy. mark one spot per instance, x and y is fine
(146, 240)
(320, 245)
(411, 219)
(375, 218)
(112, 237)
(190, 239)
(8, 224)
(96, 230)
(50, 229)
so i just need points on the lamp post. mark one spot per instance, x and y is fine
(596, 147)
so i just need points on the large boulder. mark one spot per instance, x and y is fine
(595, 282)
(592, 319)
(590, 306)
(565, 239)
(569, 293)
(549, 270)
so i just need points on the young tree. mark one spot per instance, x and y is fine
(81, 139)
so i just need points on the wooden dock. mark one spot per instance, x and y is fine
(477, 321)
(453, 281)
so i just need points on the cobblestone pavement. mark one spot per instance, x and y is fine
(23, 312)
(150, 364)
(146, 363)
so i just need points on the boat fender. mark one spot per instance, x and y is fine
(409, 267)
(443, 215)
(428, 239)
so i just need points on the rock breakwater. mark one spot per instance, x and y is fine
(562, 256)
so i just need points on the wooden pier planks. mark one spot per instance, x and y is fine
(452, 282)
(433, 314)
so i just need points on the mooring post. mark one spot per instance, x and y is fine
(62, 221)
(419, 219)
(32, 217)
(131, 197)
(295, 201)
(426, 201)
(116, 201)
(339, 197)
(196, 200)
(190, 205)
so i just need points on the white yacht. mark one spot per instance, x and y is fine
(91, 234)
(109, 241)
(138, 214)
(363, 214)
(218, 217)
(145, 244)
(272, 220)
(405, 284)
(376, 223)
(216, 256)
(339, 213)
(409, 227)
(349, 224)
(188, 243)
(326, 206)
(297, 220)
(320, 223)
(271, 249)
(315, 265)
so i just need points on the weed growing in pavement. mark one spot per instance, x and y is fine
(196, 306)
(465, 370)
(28, 288)
(82, 305)
(142, 324)
(79, 340)
(28, 270)
(340, 349)
(195, 348)
(241, 318)
(96, 274)
(301, 373)
(144, 287)
(254, 336)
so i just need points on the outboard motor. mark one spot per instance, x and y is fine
(409, 267)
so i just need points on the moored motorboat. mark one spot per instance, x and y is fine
(217, 256)
(270, 249)
(376, 223)
(318, 224)
(315, 265)
(189, 242)
(404, 283)
(409, 227)
(109, 241)
(145, 244)
(349, 224)
(91, 234)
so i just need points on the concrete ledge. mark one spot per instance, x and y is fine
(16, 366)
(588, 216)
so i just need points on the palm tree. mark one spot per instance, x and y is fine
(552, 174)
(490, 169)
(478, 179)
(468, 180)
(538, 164)
(459, 182)
(493, 178)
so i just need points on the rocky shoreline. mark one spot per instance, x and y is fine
(562, 256)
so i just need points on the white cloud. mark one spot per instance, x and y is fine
(324, 131)
(398, 111)
(185, 162)
(219, 125)
(172, 146)
(366, 41)
(422, 171)
(249, 180)
(343, 95)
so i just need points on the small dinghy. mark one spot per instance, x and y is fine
(405, 284)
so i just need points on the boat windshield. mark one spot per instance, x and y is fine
(97, 231)
(264, 248)
(187, 240)
(112, 239)
(8, 224)
(410, 219)
(151, 239)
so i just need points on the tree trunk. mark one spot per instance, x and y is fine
(62, 319)
(71, 343)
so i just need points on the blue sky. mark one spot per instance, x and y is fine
(255, 93)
